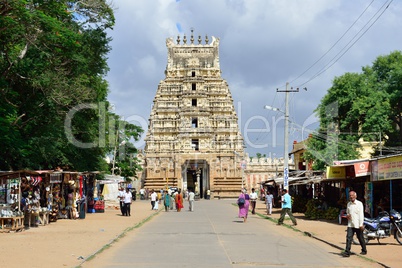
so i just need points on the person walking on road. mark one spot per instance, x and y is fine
(142, 194)
(253, 200)
(120, 196)
(355, 216)
(191, 196)
(166, 201)
(154, 196)
(243, 202)
(179, 201)
(286, 208)
(128, 199)
(269, 198)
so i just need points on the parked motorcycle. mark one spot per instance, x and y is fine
(383, 226)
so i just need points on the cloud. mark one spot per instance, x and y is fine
(263, 45)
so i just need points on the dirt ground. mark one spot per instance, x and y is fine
(68, 243)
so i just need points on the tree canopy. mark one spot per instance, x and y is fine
(53, 63)
(360, 106)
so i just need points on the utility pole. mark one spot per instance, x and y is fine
(286, 136)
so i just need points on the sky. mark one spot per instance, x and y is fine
(264, 45)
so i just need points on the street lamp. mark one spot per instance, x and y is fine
(114, 154)
(285, 157)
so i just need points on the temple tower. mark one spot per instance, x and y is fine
(193, 139)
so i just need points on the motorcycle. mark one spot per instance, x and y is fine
(383, 226)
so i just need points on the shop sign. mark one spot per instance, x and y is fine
(390, 168)
(55, 178)
(335, 172)
(362, 168)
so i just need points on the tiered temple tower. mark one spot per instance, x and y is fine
(193, 139)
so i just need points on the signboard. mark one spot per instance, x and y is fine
(335, 172)
(362, 168)
(389, 168)
(286, 177)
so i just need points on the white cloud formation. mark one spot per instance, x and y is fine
(263, 45)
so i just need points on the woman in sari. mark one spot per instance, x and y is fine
(166, 200)
(179, 201)
(243, 208)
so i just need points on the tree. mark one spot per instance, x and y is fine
(53, 60)
(124, 152)
(359, 106)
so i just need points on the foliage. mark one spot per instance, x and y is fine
(53, 94)
(259, 155)
(359, 107)
(126, 163)
(299, 204)
(315, 212)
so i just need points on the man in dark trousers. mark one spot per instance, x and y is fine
(286, 207)
(253, 200)
(355, 216)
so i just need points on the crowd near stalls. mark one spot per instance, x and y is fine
(33, 198)
(377, 182)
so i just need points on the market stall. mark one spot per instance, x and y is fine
(12, 213)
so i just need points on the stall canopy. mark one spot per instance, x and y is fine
(110, 187)
(299, 177)
(348, 169)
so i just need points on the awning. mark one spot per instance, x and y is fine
(348, 169)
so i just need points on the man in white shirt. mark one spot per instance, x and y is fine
(355, 216)
(142, 194)
(191, 196)
(128, 199)
(154, 196)
(120, 196)
(253, 200)
(269, 198)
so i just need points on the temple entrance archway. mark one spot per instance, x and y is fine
(195, 174)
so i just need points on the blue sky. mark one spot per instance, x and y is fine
(263, 45)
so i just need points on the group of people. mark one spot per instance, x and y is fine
(246, 200)
(172, 199)
(354, 211)
(125, 198)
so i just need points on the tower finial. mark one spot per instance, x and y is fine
(178, 39)
(206, 39)
(192, 35)
(184, 39)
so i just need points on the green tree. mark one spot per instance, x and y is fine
(359, 106)
(124, 152)
(52, 60)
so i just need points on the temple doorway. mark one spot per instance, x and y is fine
(195, 174)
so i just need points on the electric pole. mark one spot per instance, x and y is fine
(286, 136)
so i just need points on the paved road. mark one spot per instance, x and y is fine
(213, 236)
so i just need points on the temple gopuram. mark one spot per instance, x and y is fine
(193, 139)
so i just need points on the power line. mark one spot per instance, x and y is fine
(339, 39)
(339, 55)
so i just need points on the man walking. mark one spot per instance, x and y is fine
(269, 202)
(355, 216)
(191, 200)
(128, 199)
(154, 196)
(120, 196)
(286, 208)
(253, 200)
